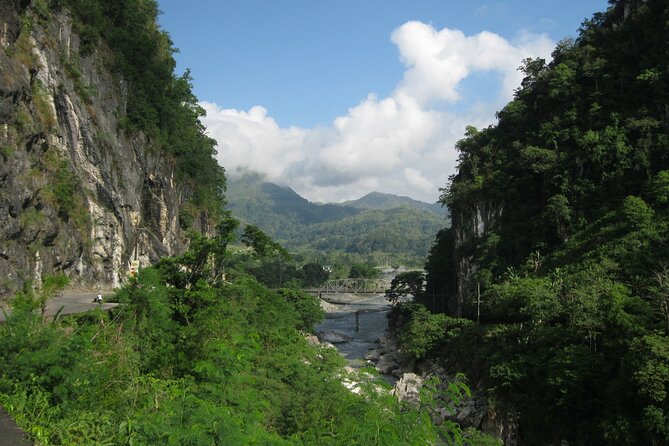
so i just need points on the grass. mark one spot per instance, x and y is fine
(43, 106)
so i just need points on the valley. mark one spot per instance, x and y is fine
(528, 306)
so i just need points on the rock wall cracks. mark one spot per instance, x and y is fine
(78, 194)
(469, 223)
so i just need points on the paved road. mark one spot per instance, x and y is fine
(71, 302)
(10, 434)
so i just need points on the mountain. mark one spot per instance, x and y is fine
(381, 201)
(376, 223)
(249, 196)
(557, 260)
(102, 152)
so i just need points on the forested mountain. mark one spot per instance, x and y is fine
(381, 201)
(102, 151)
(561, 234)
(377, 223)
(278, 210)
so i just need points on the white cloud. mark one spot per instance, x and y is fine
(253, 140)
(403, 143)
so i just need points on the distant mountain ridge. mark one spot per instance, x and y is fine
(377, 222)
(381, 201)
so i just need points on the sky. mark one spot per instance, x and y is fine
(338, 98)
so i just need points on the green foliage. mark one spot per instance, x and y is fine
(191, 360)
(572, 265)
(160, 103)
(43, 107)
(314, 275)
(307, 306)
(261, 243)
(65, 188)
(405, 284)
(363, 271)
(659, 188)
(384, 226)
(22, 50)
(636, 213)
(420, 331)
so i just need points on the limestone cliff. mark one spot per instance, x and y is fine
(469, 223)
(77, 193)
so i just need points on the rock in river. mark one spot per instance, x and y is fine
(334, 337)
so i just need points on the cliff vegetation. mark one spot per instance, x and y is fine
(555, 272)
(104, 158)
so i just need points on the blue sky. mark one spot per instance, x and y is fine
(336, 98)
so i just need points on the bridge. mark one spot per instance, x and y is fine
(352, 286)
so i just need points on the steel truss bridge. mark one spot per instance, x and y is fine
(352, 286)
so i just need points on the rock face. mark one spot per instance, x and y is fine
(475, 411)
(469, 222)
(78, 195)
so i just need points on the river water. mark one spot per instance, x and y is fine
(340, 322)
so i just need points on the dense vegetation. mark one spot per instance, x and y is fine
(573, 267)
(160, 103)
(378, 228)
(192, 359)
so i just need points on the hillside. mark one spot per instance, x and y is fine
(380, 201)
(377, 223)
(102, 154)
(277, 210)
(557, 263)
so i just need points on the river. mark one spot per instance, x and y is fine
(339, 326)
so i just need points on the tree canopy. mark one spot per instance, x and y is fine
(570, 186)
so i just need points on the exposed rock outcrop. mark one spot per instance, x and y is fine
(333, 337)
(389, 359)
(78, 194)
(475, 411)
(469, 222)
(407, 388)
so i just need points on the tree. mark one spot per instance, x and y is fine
(405, 285)
(314, 274)
(261, 243)
(363, 271)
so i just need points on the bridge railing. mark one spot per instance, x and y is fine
(354, 286)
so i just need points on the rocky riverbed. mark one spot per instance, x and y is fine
(367, 342)
(353, 339)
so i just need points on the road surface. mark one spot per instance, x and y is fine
(71, 302)
(10, 434)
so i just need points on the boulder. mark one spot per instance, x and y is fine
(373, 355)
(312, 340)
(408, 388)
(333, 337)
(387, 363)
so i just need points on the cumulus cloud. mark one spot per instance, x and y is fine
(403, 143)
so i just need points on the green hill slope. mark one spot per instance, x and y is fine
(561, 227)
(381, 201)
(377, 223)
